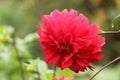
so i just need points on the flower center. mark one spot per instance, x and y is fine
(65, 48)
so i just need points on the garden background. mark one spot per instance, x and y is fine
(19, 24)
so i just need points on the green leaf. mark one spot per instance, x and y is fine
(5, 33)
(6, 29)
(30, 68)
(31, 37)
(23, 49)
(42, 69)
(116, 23)
(49, 74)
(101, 30)
(67, 72)
(2, 29)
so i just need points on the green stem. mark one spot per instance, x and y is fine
(19, 59)
(110, 32)
(54, 74)
(38, 74)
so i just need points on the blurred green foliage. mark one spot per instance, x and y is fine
(19, 20)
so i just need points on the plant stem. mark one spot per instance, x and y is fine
(106, 65)
(19, 59)
(54, 74)
(111, 62)
(38, 73)
(110, 32)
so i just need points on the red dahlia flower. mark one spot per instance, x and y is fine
(69, 40)
(63, 78)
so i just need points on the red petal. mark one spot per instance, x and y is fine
(52, 56)
(81, 62)
(67, 61)
(75, 67)
(93, 31)
(94, 57)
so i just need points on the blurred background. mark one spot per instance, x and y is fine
(21, 17)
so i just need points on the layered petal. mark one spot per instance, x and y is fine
(69, 40)
(51, 56)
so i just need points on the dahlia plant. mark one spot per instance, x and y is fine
(69, 40)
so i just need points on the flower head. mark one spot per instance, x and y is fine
(69, 40)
